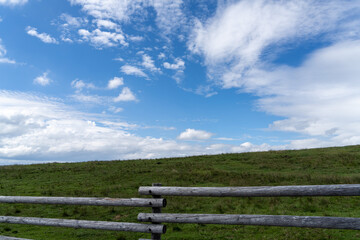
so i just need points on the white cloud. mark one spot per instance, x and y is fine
(170, 16)
(169, 13)
(89, 99)
(319, 98)
(13, 2)
(42, 80)
(69, 25)
(107, 24)
(161, 55)
(178, 65)
(234, 40)
(192, 134)
(39, 129)
(79, 85)
(136, 38)
(101, 39)
(115, 109)
(3, 59)
(115, 83)
(149, 63)
(70, 21)
(132, 70)
(119, 59)
(125, 96)
(46, 38)
(110, 9)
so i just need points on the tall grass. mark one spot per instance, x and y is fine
(122, 179)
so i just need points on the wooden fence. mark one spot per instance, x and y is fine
(157, 203)
(264, 220)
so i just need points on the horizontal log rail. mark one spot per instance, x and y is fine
(264, 220)
(12, 238)
(113, 226)
(127, 202)
(265, 191)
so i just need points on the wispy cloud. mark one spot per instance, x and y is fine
(148, 63)
(3, 51)
(169, 15)
(13, 2)
(101, 39)
(316, 98)
(233, 43)
(132, 70)
(79, 85)
(178, 66)
(46, 38)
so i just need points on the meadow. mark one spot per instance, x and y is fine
(340, 165)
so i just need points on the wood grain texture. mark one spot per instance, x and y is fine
(264, 220)
(128, 202)
(12, 238)
(113, 226)
(265, 191)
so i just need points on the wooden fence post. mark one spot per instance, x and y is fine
(156, 236)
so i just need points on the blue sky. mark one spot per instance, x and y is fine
(101, 80)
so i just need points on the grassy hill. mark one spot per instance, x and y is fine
(122, 179)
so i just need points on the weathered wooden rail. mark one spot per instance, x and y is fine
(124, 202)
(267, 191)
(261, 220)
(157, 203)
(156, 218)
(265, 220)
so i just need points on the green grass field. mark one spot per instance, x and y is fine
(122, 179)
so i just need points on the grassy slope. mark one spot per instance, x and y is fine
(122, 179)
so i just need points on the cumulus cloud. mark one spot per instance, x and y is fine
(42, 80)
(317, 98)
(38, 129)
(3, 59)
(13, 2)
(192, 134)
(234, 40)
(115, 83)
(148, 63)
(178, 65)
(107, 24)
(168, 18)
(46, 38)
(101, 39)
(126, 95)
(132, 70)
